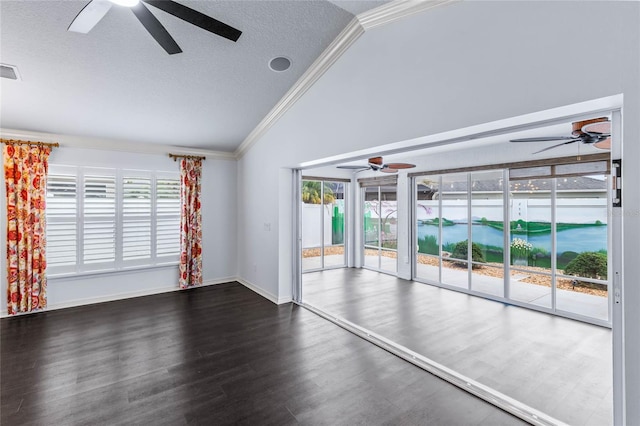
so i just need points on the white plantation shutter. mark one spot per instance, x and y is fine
(168, 216)
(99, 204)
(136, 217)
(107, 219)
(62, 228)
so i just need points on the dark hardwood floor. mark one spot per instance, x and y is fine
(213, 355)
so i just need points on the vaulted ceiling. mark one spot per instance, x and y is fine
(117, 83)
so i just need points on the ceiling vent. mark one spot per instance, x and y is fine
(9, 71)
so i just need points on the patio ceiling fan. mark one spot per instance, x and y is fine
(376, 164)
(596, 132)
(95, 10)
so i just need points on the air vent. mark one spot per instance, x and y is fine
(9, 71)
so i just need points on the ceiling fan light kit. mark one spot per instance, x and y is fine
(95, 10)
(595, 131)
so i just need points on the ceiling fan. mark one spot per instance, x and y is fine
(596, 132)
(95, 10)
(376, 164)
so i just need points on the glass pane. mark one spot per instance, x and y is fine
(581, 245)
(428, 268)
(455, 229)
(312, 210)
(372, 258)
(455, 273)
(582, 168)
(530, 172)
(529, 287)
(387, 211)
(371, 217)
(487, 232)
(333, 216)
(427, 228)
(389, 260)
(381, 228)
(488, 280)
(530, 248)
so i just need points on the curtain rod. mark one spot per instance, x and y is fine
(195, 157)
(19, 142)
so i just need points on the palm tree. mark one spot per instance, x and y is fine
(311, 192)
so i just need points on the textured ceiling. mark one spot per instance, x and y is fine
(116, 82)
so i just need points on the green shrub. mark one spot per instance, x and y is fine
(428, 245)
(566, 258)
(589, 265)
(461, 249)
(539, 257)
(449, 247)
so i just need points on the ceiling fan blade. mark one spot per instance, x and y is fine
(602, 127)
(604, 144)
(556, 146)
(352, 167)
(89, 16)
(155, 28)
(544, 139)
(400, 166)
(377, 161)
(388, 170)
(196, 18)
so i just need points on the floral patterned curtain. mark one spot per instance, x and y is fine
(25, 172)
(190, 223)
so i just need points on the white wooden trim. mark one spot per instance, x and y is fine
(267, 295)
(118, 296)
(384, 14)
(345, 39)
(69, 141)
(395, 10)
(379, 16)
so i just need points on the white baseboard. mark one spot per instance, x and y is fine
(119, 296)
(160, 290)
(264, 293)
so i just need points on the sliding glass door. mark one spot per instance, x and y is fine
(581, 249)
(537, 236)
(531, 221)
(487, 238)
(323, 225)
(380, 227)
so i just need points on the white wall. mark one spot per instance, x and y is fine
(448, 68)
(219, 203)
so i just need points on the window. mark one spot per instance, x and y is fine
(110, 219)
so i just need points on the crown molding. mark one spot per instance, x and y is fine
(345, 39)
(81, 142)
(384, 14)
(395, 10)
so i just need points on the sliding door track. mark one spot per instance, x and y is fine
(492, 396)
